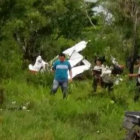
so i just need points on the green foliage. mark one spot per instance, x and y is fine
(84, 115)
(47, 27)
(11, 62)
(40, 79)
(126, 18)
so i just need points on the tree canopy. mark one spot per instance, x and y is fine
(47, 27)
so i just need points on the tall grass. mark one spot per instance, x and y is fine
(84, 115)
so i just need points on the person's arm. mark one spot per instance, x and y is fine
(70, 71)
(133, 75)
(137, 66)
(54, 67)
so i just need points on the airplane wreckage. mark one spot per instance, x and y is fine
(79, 64)
(77, 61)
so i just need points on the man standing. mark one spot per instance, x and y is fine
(137, 75)
(61, 67)
(97, 71)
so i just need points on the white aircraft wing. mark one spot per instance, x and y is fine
(78, 47)
(86, 63)
(32, 68)
(80, 69)
(75, 59)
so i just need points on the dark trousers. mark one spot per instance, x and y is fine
(62, 84)
(98, 81)
(137, 92)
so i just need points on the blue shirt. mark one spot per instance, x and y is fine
(61, 70)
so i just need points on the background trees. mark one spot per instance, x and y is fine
(46, 27)
(126, 18)
(30, 28)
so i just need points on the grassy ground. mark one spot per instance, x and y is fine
(31, 113)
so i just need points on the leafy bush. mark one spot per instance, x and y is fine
(40, 79)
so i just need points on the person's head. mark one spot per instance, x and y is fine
(98, 62)
(62, 57)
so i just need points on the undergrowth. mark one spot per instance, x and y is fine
(30, 112)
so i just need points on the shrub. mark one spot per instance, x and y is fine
(44, 79)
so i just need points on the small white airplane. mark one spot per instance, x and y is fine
(77, 61)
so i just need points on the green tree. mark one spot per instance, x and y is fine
(126, 17)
